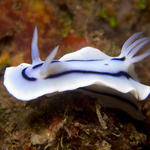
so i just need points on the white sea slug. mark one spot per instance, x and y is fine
(87, 69)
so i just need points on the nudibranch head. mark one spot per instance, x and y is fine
(87, 69)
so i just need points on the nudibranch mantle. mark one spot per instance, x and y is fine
(88, 69)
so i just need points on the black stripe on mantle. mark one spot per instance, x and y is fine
(25, 76)
(118, 74)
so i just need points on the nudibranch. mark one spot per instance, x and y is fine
(87, 69)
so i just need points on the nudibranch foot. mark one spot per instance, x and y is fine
(115, 100)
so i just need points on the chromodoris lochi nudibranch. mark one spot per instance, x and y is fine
(87, 69)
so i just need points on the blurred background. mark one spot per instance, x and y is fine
(71, 24)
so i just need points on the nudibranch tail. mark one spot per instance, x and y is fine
(34, 48)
